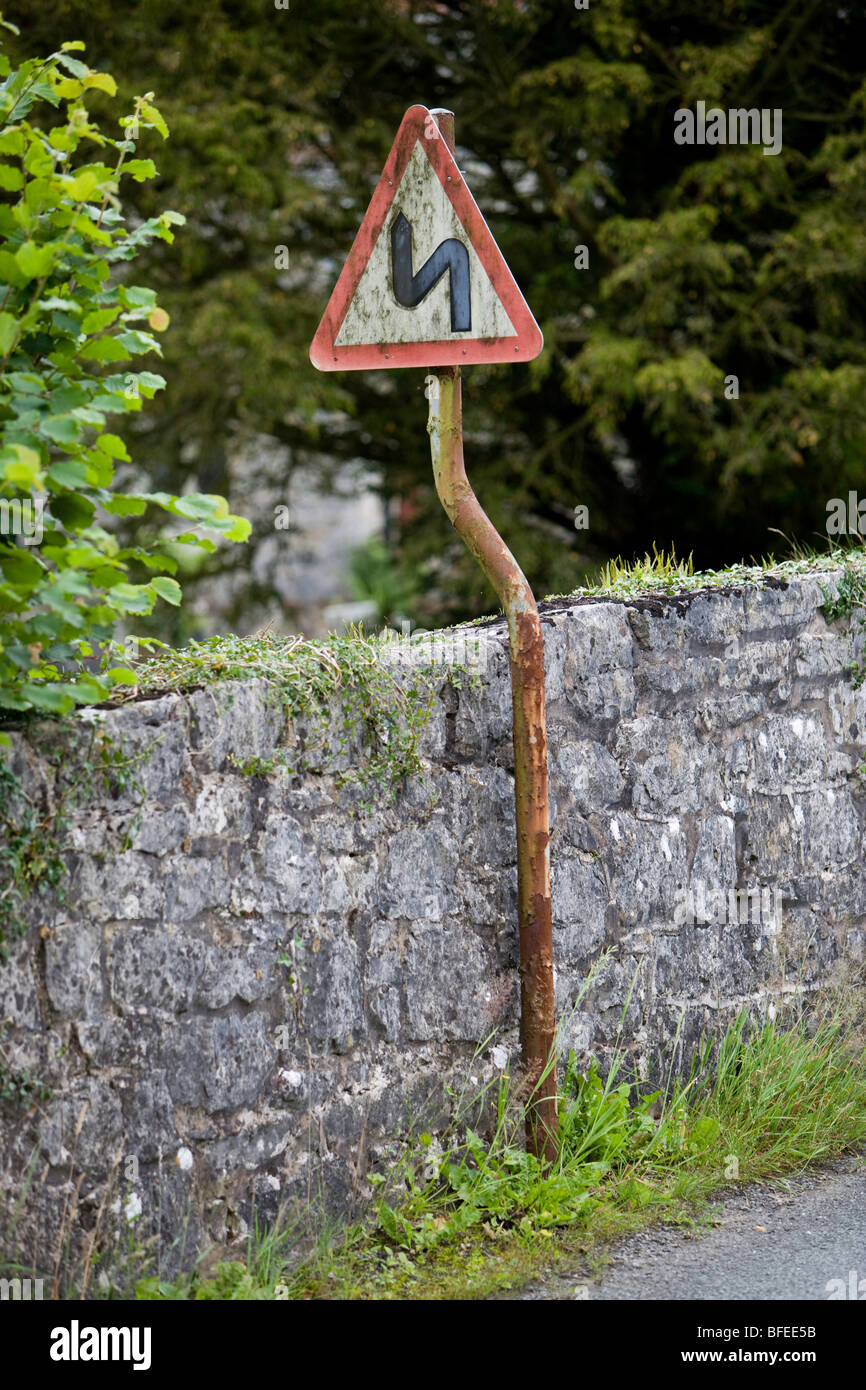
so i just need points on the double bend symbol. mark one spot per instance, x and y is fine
(409, 289)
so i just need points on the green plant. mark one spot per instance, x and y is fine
(660, 566)
(19, 1087)
(666, 575)
(68, 311)
(258, 767)
(383, 709)
(850, 593)
(850, 597)
(597, 1119)
(33, 836)
(781, 1097)
(30, 853)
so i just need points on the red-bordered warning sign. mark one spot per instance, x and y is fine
(425, 284)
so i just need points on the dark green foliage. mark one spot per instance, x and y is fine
(704, 261)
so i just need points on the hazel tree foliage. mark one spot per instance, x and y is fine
(72, 324)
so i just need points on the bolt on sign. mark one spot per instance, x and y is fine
(425, 284)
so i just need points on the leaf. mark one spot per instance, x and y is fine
(102, 81)
(40, 194)
(114, 446)
(12, 141)
(10, 271)
(60, 139)
(68, 473)
(704, 1131)
(38, 161)
(234, 528)
(8, 332)
(137, 296)
(395, 1226)
(73, 511)
(190, 538)
(140, 169)
(125, 506)
(73, 65)
(84, 556)
(20, 567)
(26, 382)
(163, 563)
(35, 261)
(54, 301)
(98, 319)
(83, 186)
(138, 342)
(168, 589)
(132, 598)
(20, 464)
(100, 469)
(89, 417)
(88, 228)
(149, 383)
(55, 698)
(11, 179)
(61, 428)
(151, 114)
(105, 349)
(201, 506)
(67, 88)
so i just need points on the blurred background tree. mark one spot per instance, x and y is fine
(704, 262)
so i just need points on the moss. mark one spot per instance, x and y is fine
(380, 710)
(33, 839)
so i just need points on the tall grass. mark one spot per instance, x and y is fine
(468, 1210)
(462, 1211)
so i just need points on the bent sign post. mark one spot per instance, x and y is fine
(425, 285)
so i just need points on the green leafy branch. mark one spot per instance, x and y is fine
(69, 319)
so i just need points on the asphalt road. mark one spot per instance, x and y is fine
(770, 1242)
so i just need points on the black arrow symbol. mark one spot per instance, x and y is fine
(409, 289)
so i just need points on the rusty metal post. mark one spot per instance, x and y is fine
(537, 1007)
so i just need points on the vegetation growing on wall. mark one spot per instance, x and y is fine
(353, 676)
(33, 836)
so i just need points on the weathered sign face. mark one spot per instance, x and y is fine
(425, 284)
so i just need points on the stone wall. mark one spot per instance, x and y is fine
(246, 1001)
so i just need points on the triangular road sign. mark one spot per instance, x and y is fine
(425, 284)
